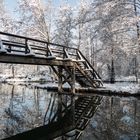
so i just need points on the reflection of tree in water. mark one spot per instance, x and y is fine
(26, 111)
(13, 118)
(58, 108)
(116, 119)
(31, 108)
(49, 110)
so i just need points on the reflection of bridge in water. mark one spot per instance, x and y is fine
(66, 117)
(70, 66)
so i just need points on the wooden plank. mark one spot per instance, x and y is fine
(13, 43)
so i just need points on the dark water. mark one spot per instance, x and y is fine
(24, 108)
(116, 119)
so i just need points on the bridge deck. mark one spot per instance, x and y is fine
(32, 60)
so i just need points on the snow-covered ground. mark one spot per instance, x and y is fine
(29, 78)
(47, 81)
(123, 87)
(125, 79)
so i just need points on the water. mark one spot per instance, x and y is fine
(116, 119)
(24, 108)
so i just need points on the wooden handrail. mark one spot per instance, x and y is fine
(36, 40)
(89, 63)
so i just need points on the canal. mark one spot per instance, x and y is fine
(24, 107)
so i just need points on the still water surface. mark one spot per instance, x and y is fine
(24, 108)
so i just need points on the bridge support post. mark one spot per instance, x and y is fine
(73, 80)
(60, 81)
(66, 78)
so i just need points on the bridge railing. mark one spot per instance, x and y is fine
(25, 45)
(89, 66)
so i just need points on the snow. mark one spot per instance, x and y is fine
(45, 85)
(128, 78)
(2, 50)
(24, 78)
(123, 87)
(4, 77)
(31, 52)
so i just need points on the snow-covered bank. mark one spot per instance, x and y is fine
(118, 89)
(123, 87)
(29, 78)
(126, 79)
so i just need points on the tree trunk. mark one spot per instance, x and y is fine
(13, 71)
(138, 35)
(112, 73)
(136, 70)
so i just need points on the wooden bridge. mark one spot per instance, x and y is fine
(70, 65)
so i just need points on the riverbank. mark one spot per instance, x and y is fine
(117, 89)
(47, 82)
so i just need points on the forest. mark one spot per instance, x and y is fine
(106, 31)
(76, 101)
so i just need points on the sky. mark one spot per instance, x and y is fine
(11, 4)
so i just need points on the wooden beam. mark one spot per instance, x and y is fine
(60, 79)
(32, 60)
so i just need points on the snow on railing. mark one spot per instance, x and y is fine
(2, 50)
(35, 47)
